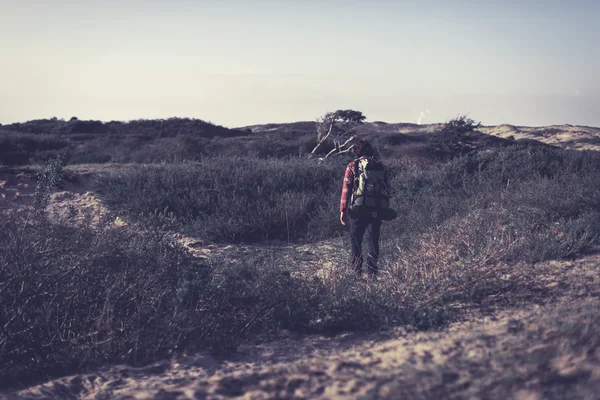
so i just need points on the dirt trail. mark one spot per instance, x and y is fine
(510, 351)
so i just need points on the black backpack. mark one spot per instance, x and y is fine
(370, 188)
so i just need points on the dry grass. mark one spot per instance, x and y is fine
(78, 293)
(544, 347)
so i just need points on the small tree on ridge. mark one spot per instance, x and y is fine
(337, 127)
(454, 137)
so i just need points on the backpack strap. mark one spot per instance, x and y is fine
(356, 172)
(356, 169)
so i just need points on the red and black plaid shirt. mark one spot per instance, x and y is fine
(348, 185)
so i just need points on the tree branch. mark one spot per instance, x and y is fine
(338, 150)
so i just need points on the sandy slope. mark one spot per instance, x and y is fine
(17, 186)
(566, 136)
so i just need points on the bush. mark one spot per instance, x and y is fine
(75, 296)
(454, 139)
(535, 193)
(82, 294)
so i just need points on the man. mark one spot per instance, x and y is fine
(365, 193)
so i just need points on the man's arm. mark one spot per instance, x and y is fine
(346, 192)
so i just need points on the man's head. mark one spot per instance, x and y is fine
(362, 148)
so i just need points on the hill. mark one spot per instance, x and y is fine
(566, 136)
(178, 139)
(78, 141)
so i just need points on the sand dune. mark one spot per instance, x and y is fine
(566, 136)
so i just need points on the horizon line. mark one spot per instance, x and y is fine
(283, 122)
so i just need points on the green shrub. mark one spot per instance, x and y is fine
(454, 138)
(535, 189)
(142, 141)
(75, 296)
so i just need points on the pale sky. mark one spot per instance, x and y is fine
(236, 63)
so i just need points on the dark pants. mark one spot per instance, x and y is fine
(360, 222)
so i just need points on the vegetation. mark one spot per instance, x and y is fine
(77, 293)
(336, 127)
(454, 137)
(179, 139)
(249, 200)
(231, 199)
(77, 141)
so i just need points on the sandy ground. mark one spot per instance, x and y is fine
(510, 350)
(73, 194)
(566, 136)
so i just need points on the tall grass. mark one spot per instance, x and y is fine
(233, 199)
(537, 194)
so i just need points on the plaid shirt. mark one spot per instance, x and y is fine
(348, 185)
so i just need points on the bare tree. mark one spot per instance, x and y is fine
(337, 127)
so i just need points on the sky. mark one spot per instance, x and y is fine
(238, 63)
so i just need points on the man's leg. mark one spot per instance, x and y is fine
(373, 231)
(357, 231)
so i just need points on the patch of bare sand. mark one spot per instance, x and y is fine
(566, 136)
(17, 186)
(72, 199)
(321, 259)
(514, 351)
